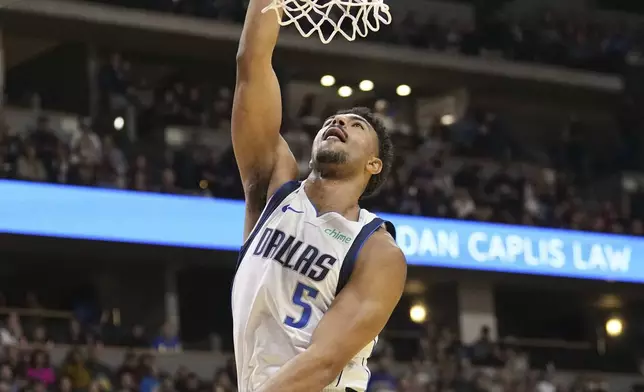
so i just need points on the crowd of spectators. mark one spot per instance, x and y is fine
(562, 40)
(176, 101)
(442, 363)
(28, 368)
(486, 183)
(549, 40)
(85, 324)
(28, 336)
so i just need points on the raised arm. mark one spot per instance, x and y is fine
(264, 159)
(355, 318)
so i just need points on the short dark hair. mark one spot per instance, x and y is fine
(385, 149)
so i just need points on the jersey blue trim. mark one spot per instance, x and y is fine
(275, 200)
(391, 229)
(350, 259)
(339, 378)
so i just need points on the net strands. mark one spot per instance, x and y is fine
(310, 17)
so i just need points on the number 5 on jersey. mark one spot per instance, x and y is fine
(301, 294)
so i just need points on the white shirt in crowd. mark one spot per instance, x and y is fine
(545, 386)
(6, 338)
(464, 207)
(86, 146)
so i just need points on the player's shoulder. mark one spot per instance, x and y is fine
(381, 247)
(381, 263)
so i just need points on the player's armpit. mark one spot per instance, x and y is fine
(356, 317)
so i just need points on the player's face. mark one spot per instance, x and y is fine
(346, 139)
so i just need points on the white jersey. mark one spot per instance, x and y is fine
(290, 269)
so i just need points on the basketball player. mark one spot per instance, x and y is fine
(317, 276)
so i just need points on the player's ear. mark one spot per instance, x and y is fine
(374, 166)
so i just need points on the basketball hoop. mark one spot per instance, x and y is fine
(328, 18)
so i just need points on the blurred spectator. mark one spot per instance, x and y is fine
(30, 167)
(126, 382)
(306, 112)
(98, 370)
(40, 369)
(40, 338)
(381, 108)
(231, 369)
(83, 174)
(409, 204)
(192, 383)
(130, 365)
(516, 362)
(6, 168)
(136, 338)
(545, 384)
(74, 368)
(149, 380)
(86, 146)
(139, 173)
(194, 108)
(10, 143)
(463, 204)
(74, 335)
(32, 301)
(166, 383)
(60, 165)
(180, 377)
(168, 340)
(381, 378)
(221, 108)
(168, 182)
(300, 144)
(484, 350)
(44, 139)
(13, 361)
(14, 327)
(6, 373)
(97, 386)
(37, 386)
(114, 81)
(6, 338)
(169, 111)
(113, 157)
(223, 382)
(140, 182)
(64, 384)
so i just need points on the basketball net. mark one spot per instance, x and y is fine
(330, 17)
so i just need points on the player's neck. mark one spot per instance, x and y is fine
(333, 195)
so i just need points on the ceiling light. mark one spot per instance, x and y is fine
(366, 85)
(403, 90)
(327, 81)
(345, 91)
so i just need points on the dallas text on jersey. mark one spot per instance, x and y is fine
(292, 253)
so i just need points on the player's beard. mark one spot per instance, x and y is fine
(328, 156)
(327, 162)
